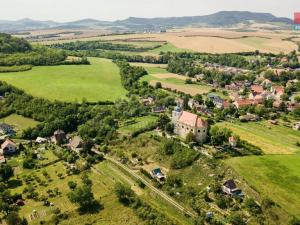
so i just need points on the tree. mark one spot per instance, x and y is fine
(72, 185)
(6, 172)
(190, 137)
(198, 98)
(124, 193)
(158, 85)
(237, 219)
(82, 196)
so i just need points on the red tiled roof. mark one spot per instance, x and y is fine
(191, 119)
(257, 88)
(243, 102)
(6, 143)
(278, 89)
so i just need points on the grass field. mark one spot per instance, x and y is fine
(137, 124)
(20, 123)
(274, 176)
(169, 48)
(272, 139)
(99, 81)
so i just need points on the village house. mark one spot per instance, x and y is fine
(249, 117)
(7, 130)
(158, 175)
(232, 141)
(59, 137)
(242, 103)
(41, 140)
(296, 126)
(8, 148)
(186, 122)
(159, 109)
(147, 101)
(76, 144)
(277, 91)
(218, 102)
(230, 188)
(256, 90)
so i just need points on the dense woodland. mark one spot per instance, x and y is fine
(18, 52)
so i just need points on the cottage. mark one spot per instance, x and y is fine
(158, 175)
(296, 126)
(6, 129)
(40, 140)
(232, 141)
(8, 148)
(277, 91)
(76, 144)
(159, 109)
(59, 137)
(186, 122)
(257, 89)
(230, 188)
(242, 103)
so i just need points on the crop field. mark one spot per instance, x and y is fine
(99, 81)
(19, 122)
(272, 139)
(274, 176)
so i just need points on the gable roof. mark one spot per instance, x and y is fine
(191, 119)
(76, 142)
(278, 89)
(6, 143)
(257, 88)
(230, 184)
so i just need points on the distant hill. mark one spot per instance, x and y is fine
(223, 18)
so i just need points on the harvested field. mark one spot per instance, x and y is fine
(169, 75)
(191, 89)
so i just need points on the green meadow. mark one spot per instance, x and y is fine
(99, 81)
(272, 139)
(20, 123)
(273, 176)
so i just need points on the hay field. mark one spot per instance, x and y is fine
(99, 81)
(272, 139)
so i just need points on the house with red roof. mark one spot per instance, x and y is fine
(186, 122)
(8, 148)
(277, 91)
(243, 103)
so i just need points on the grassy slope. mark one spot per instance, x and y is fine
(138, 124)
(273, 139)
(19, 122)
(275, 176)
(97, 82)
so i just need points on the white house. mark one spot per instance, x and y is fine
(8, 147)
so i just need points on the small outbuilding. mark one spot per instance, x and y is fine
(59, 137)
(158, 175)
(8, 148)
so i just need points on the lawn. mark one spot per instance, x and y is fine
(272, 139)
(136, 124)
(99, 81)
(275, 176)
(20, 123)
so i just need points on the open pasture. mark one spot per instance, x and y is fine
(20, 123)
(99, 81)
(273, 176)
(272, 139)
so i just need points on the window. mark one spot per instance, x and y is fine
(182, 126)
(199, 131)
(203, 131)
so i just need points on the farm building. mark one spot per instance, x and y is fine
(59, 137)
(40, 140)
(8, 148)
(186, 122)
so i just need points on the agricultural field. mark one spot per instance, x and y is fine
(273, 176)
(99, 81)
(20, 123)
(272, 139)
(128, 127)
(173, 81)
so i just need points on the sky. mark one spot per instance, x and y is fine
(70, 10)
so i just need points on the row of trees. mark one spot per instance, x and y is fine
(93, 45)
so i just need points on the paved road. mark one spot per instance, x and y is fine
(150, 186)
